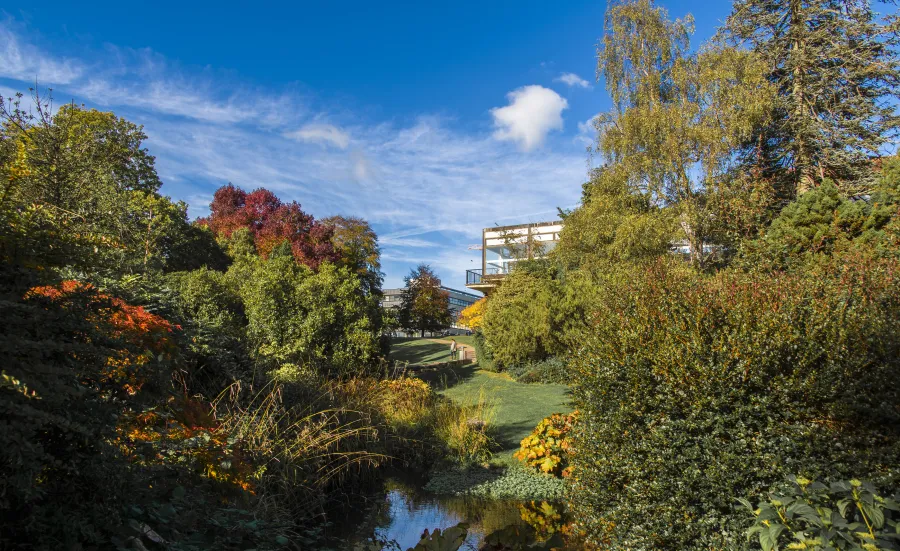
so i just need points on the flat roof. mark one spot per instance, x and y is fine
(461, 292)
(527, 225)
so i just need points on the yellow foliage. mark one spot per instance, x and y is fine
(546, 449)
(473, 315)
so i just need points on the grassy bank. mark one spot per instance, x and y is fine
(518, 407)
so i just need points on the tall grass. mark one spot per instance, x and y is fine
(299, 451)
(466, 429)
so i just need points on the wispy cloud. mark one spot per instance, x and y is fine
(533, 111)
(25, 62)
(427, 186)
(321, 133)
(587, 131)
(571, 79)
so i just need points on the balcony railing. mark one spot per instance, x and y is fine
(473, 277)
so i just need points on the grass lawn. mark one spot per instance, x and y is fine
(419, 351)
(518, 407)
(424, 351)
(468, 340)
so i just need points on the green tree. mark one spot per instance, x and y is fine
(424, 306)
(823, 221)
(678, 118)
(534, 314)
(834, 65)
(321, 320)
(357, 244)
(82, 177)
(615, 223)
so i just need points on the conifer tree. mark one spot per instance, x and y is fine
(835, 66)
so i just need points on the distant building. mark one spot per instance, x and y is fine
(503, 246)
(459, 300)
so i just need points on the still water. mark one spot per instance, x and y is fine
(402, 512)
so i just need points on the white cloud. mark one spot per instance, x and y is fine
(587, 131)
(26, 63)
(533, 112)
(321, 133)
(427, 186)
(571, 79)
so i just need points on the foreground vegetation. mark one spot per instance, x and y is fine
(724, 300)
(193, 386)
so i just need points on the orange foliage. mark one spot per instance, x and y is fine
(184, 433)
(145, 335)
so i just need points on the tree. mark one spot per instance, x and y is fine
(823, 222)
(615, 223)
(356, 242)
(321, 320)
(472, 315)
(678, 118)
(424, 306)
(835, 68)
(532, 315)
(271, 223)
(81, 177)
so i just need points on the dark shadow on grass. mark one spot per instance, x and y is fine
(419, 353)
(444, 376)
(509, 436)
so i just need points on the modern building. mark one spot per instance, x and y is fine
(459, 300)
(503, 246)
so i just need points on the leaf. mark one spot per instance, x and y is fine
(804, 511)
(755, 529)
(768, 538)
(843, 505)
(875, 515)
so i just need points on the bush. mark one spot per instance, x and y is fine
(694, 388)
(534, 314)
(823, 222)
(483, 352)
(810, 515)
(319, 319)
(550, 371)
(547, 447)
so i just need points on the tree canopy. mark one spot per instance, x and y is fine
(424, 306)
(271, 223)
(835, 68)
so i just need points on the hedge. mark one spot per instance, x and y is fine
(697, 389)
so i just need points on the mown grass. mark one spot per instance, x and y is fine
(419, 351)
(518, 407)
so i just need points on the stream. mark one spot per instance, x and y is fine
(402, 511)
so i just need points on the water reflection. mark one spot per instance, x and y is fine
(404, 512)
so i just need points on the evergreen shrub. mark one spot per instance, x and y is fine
(483, 352)
(695, 389)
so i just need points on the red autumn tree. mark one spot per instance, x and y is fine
(271, 223)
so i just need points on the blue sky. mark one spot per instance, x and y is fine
(430, 120)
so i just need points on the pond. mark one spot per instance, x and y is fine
(401, 512)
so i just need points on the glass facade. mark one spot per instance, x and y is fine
(504, 246)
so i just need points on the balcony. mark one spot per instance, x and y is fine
(479, 281)
(502, 247)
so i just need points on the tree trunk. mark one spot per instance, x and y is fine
(803, 158)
